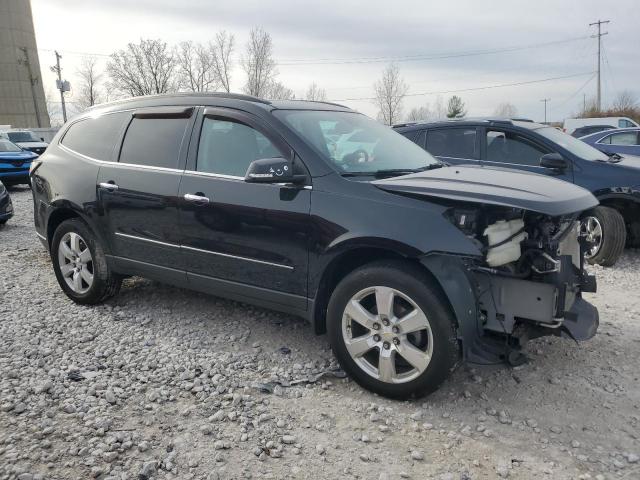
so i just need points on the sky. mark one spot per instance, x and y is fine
(476, 50)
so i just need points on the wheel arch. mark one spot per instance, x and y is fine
(64, 211)
(356, 255)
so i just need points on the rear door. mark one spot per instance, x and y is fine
(138, 194)
(453, 145)
(510, 149)
(242, 239)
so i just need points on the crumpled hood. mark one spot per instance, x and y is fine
(495, 186)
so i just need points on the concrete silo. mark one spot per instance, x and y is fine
(22, 101)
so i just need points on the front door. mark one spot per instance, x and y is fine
(242, 239)
(138, 194)
(504, 148)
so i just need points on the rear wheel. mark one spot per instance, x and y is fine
(604, 227)
(80, 264)
(391, 330)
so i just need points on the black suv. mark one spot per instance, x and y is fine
(614, 180)
(314, 209)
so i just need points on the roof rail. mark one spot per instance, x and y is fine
(234, 96)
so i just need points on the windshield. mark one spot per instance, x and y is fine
(22, 137)
(352, 142)
(7, 146)
(575, 146)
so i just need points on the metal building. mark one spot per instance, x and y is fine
(22, 101)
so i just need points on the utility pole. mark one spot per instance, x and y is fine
(33, 81)
(545, 100)
(599, 23)
(60, 84)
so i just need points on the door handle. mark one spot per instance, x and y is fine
(112, 187)
(190, 197)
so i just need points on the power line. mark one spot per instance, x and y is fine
(485, 87)
(424, 57)
(568, 99)
(395, 58)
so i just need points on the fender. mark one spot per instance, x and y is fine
(459, 288)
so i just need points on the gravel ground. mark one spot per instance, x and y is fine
(162, 383)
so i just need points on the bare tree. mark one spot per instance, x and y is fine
(390, 91)
(195, 68)
(144, 68)
(277, 91)
(505, 110)
(221, 49)
(316, 93)
(625, 100)
(439, 110)
(258, 63)
(89, 78)
(419, 113)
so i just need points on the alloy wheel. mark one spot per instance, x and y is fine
(76, 262)
(592, 228)
(387, 334)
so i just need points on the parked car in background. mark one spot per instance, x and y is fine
(14, 162)
(624, 141)
(542, 149)
(26, 140)
(6, 207)
(571, 124)
(588, 130)
(411, 266)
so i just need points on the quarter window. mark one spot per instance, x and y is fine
(507, 147)
(452, 142)
(96, 137)
(228, 147)
(154, 142)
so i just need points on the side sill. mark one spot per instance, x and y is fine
(262, 297)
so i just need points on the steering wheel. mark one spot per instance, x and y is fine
(354, 158)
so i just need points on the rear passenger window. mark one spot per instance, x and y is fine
(452, 142)
(154, 142)
(228, 147)
(96, 137)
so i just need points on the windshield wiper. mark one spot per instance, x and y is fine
(393, 172)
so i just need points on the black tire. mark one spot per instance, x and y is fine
(105, 284)
(416, 284)
(614, 235)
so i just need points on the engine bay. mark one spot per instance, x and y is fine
(531, 272)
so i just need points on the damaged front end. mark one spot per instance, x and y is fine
(527, 283)
(528, 275)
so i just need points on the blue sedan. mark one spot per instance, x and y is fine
(14, 163)
(623, 141)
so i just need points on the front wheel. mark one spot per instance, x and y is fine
(80, 264)
(391, 330)
(604, 227)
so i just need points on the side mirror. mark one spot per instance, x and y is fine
(270, 170)
(554, 161)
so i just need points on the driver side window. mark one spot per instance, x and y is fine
(508, 147)
(227, 147)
